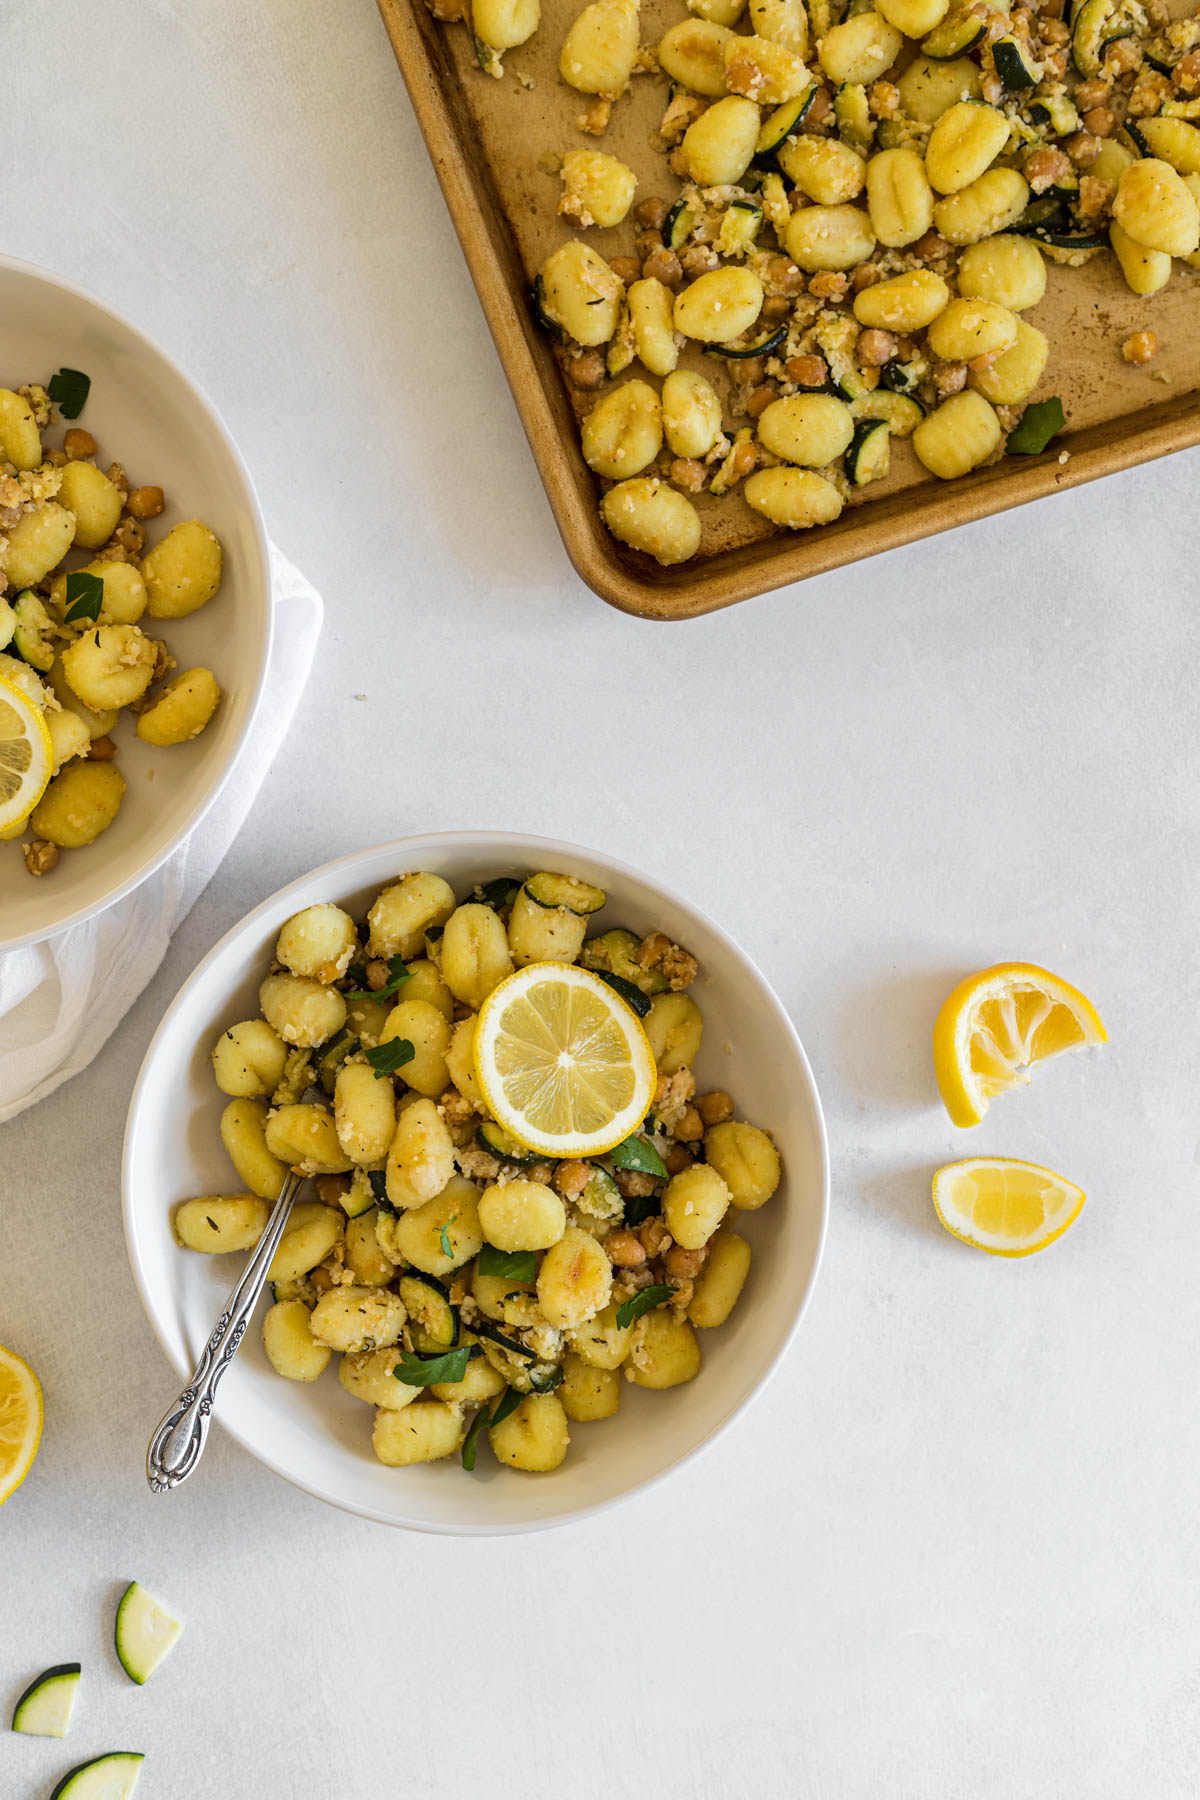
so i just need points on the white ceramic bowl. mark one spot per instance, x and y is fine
(146, 414)
(317, 1435)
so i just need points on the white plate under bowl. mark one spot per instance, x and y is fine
(319, 1436)
(146, 414)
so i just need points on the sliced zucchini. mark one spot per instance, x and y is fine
(145, 1632)
(330, 1057)
(111, 1777)
(956, 34)
(378, 1180)
(601, 1198)
(630, 994)
(299, 1287)
(537, 301)
(1134, 131)
(779, 125)
(483, 1328)
(31, 638)
(1046, 214)
(44, 1709)
(433, 944)
(1014, 64)
(899, 412)
(1180, 109)
(678, 225)
(1090, 33)
(740, 224)
(1068, 238)
(497, 1142)
(836, 338)
(621, 346)
(498, 894)
(546, 1383)
(762, 346)
(616, 952)
(852, 111)
(1054, 110)
(554, 891)
(432, 1320)
(870, 454)
(361, 1197)
(899, 378)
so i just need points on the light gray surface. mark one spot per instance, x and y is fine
(951, 1551)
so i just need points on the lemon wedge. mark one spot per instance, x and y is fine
(26, 756)
(1003, 1206)
(20, 1421)
(997, 1024)
(563, 1062)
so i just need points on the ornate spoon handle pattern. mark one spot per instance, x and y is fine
(176, 1446)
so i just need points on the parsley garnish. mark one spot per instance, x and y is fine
(69, 391)
(636, 1153)
(397, 973)
(644, 1301)
(385, 1059)
(1039, 423)
(517, 1265)
(640, 1207)
(417, 1370)
(444, 1235)
(85, 596)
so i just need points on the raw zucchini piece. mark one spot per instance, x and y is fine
(145, 1632)
(1014, 64)
(617, 952)
(852, 111)
(630, 994)
(537, 301)
(870, 454)
(779, 125)
(901, 414)
(761, 347)
(678, 225)
(957, 34)
(31, 637)
(110, 1777)
(739, 228)
(555, 891)
(497, 1142)
(432, 1319)
(44, 1709)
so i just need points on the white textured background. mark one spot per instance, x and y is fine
(952, 1552)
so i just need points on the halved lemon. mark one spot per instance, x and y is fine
(1003, 1206)
(997, 1024)
(20, 1420)
(26, 755)
(563, 1062)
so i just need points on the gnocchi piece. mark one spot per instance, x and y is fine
(69, 737)
(424, 982)
(899, 198)
(694, 1204)
(492, 1293)
(319, 942)
(968, 328)
(812, 429)
(99, 724)
(719, 1285)
(574, 1281)
(580, 293)
(691, 413)
(588, 1393)
(110, 666)
(987, 206)
(783, 21)
(721, 12)
(420, 1154)
(1010, 271)
(1172, 141)
(534, 1437)
(501, 25)
(124, 598)
(795, 498)
(302, 1011)
(364, 1257)
(915, 18)
(597, 188)
(600, 1341)
(960, 435)
(764, 70)
(674, 1026)
(719, 306)
(79, 804)
(664, 1352)
(545, 933)
(248, 1060)
(182, 710)
(1113, 160)
(218, 1223)
(366, 1018)
(475, 956)
(291, 1348)
(522, 1215)
(364, 1115)
(830, 237)
(312, 1231)
(649, 516)
(370, 1375)
(825, 169)
(481, 1383)
(928, 88)
(425, 1431)
(907, 302)
(1145, 271)
(965, 141)
(719, 146)
(304, 1137)
(451, 1219)
(622, 434)
(600, 49)
(427, 1031)
(20, 439)
(357, 1318)
(652, 322)
(182, 572)
(1015, 374)
(860, 49)
(693, 54)
(460, 1060)
(746, 1160)
(244, 1135)
(37, 543)
(404, 912)
(94, 499)
(1153, 206)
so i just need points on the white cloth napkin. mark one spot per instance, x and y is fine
(61, 1000)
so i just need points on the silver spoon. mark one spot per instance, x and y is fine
(176, 1446)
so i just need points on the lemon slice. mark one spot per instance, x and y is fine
(26, 756)
(1003, 1206)
(997, 1024)
(563, 1062)
(20, 1421)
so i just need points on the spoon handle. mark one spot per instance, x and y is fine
(175, 1448)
